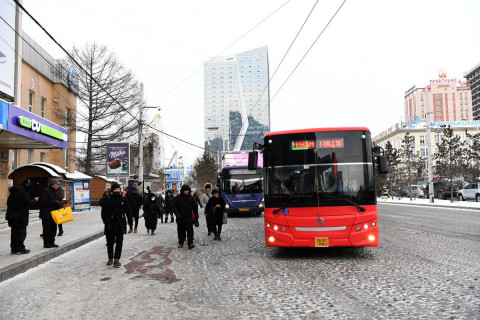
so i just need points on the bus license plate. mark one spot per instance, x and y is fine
(241, 209)
(321, 242)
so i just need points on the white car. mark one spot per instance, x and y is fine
(472, 191)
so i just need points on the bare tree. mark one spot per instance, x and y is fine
(106, 90)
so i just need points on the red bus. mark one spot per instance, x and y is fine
(319, 187)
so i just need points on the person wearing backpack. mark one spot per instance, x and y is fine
(17, 215)
(203, 201)
(116, 212)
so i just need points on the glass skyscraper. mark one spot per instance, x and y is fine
(237, 100)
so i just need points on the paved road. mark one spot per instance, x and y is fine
(426, 267)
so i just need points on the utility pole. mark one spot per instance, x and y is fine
(429, 150)
(17, 95)
(140, 140)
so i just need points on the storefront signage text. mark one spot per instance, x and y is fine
(41, 128)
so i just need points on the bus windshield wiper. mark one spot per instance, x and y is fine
(362, 209)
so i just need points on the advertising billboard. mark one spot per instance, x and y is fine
(118, 159)
(81, 195)
(7, 54)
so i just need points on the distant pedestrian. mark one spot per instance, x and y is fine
(186, 211)
(204, 200)
(117, 211)
(135, 201)
(150, 213)
(17, 215)
(160, 205)
(216, 208)
(169, 206)
(49, 202)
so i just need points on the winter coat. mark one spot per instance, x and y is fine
(169, 201)
(151, 209)
(116, 211)
(216, 212)
(49, 201)
(17, 207)
(204, 198)
(135, 201)
(185, 207)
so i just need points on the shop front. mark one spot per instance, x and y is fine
(20, 129)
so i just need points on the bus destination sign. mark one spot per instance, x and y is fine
(320, 144)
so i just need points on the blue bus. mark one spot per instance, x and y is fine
(242, 189)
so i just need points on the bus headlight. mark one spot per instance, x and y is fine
(271, 239)
(275, 228)
(227, 206)
(261, 205)
(365, 226)
(371, 237)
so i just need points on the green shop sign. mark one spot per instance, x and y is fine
(41, 128)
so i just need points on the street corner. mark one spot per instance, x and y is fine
(152, 264)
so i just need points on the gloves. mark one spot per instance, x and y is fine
(59, 203)
(197, 224)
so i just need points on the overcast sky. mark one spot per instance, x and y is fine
(355, 75)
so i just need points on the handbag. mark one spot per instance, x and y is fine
(225, 216)
(62, 215)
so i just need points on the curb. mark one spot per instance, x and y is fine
(22, 266)
(428, 205)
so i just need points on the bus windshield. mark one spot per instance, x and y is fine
(246, 182)
(319, 169)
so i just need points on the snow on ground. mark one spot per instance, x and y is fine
(437, 202)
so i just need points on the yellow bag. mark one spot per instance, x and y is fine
(62, 215)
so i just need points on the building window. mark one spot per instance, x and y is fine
(14, 159)
(422, 140)
(42, 110)
(29, 156)
(423, 152)
(42, 156)
(30, 101)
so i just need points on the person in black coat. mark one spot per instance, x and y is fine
(17, 215)
(116, 211)
(150, 211)
(216, 207)
(169, 205)
(186, 211)
(135, 201)
(49, 202)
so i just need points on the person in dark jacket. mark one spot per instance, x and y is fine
(60, 196)
(116, 213)
(135, 201)
(17, 215)
(150, 211)
(49, 202)
(169, 205)
(160, 205)
(216, 207)
(186, 211)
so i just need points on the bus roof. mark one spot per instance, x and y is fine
(317, 130)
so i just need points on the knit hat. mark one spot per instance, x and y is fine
(215, 191)
(114, 186)
(54, 181)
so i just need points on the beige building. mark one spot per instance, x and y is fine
(449, 100)
(48, 99)
(417, 130)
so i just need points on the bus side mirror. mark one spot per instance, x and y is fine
(382, 164)
(252, 160)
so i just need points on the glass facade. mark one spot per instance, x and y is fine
(236, 90)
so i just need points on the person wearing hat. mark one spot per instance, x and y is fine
(203, 203)
(215, 208)
(17, 215)
(49, 202)
(169, 206)
(135, 201)
(186, 211)
(116, 211)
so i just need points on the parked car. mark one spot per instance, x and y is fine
(471, 191)
(445, 192)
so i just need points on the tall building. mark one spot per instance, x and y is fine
(448, 100)
(473, 77)
(236, 100)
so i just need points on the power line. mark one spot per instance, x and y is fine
(318, 37)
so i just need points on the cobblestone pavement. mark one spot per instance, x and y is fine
(426, 267)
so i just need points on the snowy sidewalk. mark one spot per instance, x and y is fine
(86, 226)
(472, 204)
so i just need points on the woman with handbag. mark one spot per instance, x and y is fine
(216, 208)
(117, 211)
